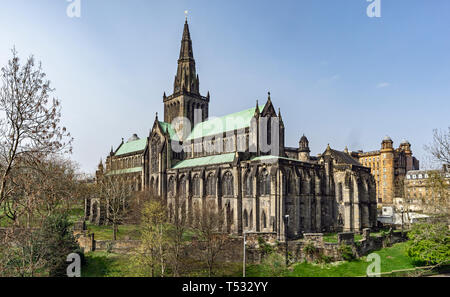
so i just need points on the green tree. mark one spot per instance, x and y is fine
(150, 258)
(429, 243)
(58, 242)
(28, 252)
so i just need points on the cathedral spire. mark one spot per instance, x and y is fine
(186, 44)
(186, 79)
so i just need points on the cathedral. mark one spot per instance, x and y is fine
(239, 165)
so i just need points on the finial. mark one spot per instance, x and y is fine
(328, 147)
(186, 14)
(346, 150)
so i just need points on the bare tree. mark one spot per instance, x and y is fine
(437, 185)
(40, 188)
(176, 235)
(116, 193)
(150, 258)
(30, 124)
(208, 227)
(440, 148)
(438, 198)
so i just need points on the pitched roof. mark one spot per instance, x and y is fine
(166, 127)
(344, 158)
(210, 160)
(131, 147)
(234, 121)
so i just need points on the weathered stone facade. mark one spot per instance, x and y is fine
(389, 167)
(423, 188)
(224, 163)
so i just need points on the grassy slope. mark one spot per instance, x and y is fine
(393, 258)
(106, 232)
(102, 264)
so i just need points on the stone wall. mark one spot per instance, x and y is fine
(88, 243)
(360, 248)
(117, 246)
(233, 250)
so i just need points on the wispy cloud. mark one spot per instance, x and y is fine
(383, 85)
(327, 80)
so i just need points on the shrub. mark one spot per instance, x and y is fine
(275, 264)
(346, 252)
(264, 247)
(310, 249)
(429, 243)
(325, 259)
(57, 243)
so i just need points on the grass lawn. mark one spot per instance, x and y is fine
(76, 214)
(392, 258)
(106, 232)
(102, 264)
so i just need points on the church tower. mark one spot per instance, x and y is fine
(303, 149)
(186, 100)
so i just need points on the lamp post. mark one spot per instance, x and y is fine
(243, 261)
(401, 208)
(286, 228)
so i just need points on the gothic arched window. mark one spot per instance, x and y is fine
(171, 186)
(182, 193)
(227, 184)
(154, 156)
(264, 220)
(248, 184)
(264, 183)
(196, 186)
(211, 185)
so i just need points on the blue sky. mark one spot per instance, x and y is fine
(338, 76)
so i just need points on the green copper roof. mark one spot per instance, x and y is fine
(210, 160)
(132, 146)
(168, 127)
(234, 121)
(124, 171)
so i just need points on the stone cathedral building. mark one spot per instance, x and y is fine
(223, 163)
